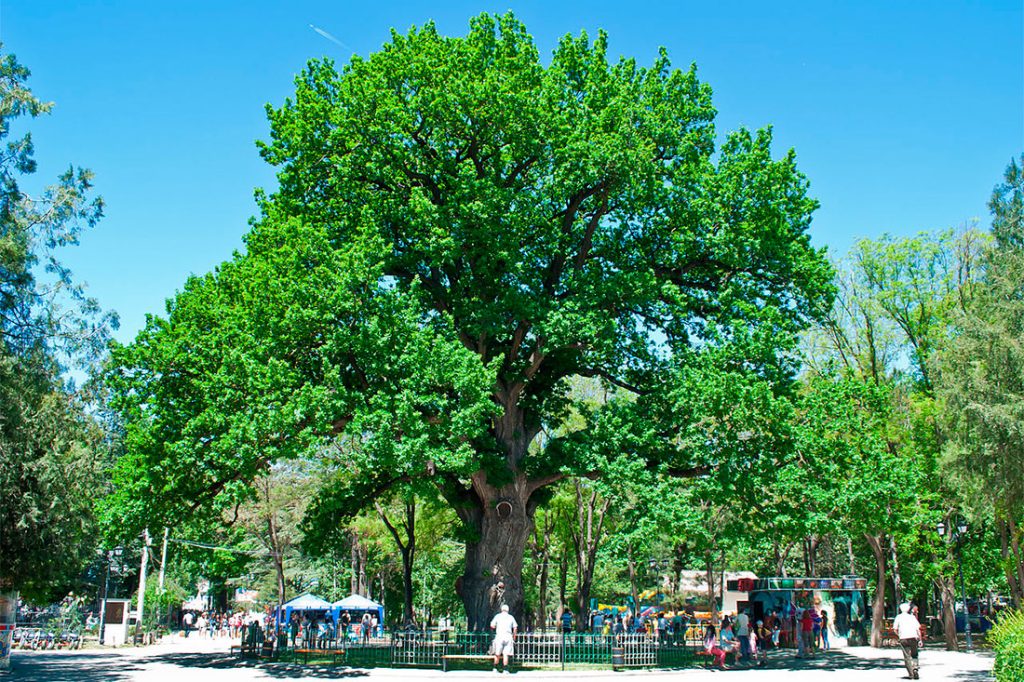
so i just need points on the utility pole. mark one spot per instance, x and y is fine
(142, 579)
(163, 569)
(103, 601)
(163, 560)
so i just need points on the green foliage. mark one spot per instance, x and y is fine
(458, 230)
(1007, 639)
(52, 453)
(982, 367)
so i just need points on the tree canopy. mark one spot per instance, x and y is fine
(52, 453)
(459, 230)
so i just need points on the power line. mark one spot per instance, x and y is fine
(221, 548)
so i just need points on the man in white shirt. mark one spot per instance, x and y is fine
(743, 633)
(505, 626)
(908, 630)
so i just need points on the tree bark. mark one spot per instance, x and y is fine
(1018, 560)
(586, 537)
(407, 548)
(274, 543)
(897, 587)
(712, 606)
(947, 593)
(634, 589)
(542, 549)
(359, 584)
(878, 549)
(563, 581)
(502, 522)
(1011, 577)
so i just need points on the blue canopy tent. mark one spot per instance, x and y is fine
(305, 602)
(358, 605)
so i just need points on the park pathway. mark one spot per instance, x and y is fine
(195, 660)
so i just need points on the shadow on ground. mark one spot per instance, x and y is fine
(273, 670)
(81, 667)
(833, 660)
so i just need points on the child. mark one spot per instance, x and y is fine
(711, 646)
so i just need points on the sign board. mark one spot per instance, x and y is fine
(115, 622)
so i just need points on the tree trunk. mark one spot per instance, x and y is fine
(542, 545)
(947, 594)
(502, 523)
(359, 585)
(897, 588)
(1011, 578)
(563, 581)
(277, 556)
(1018, 560)
(634, 589)
(586, 539)
(712, 606)
(878, 549)
(407, 548)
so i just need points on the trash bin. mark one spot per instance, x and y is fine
(618, 658)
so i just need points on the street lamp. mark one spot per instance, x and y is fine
(958, 529)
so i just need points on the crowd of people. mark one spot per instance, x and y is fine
(217, 624)
(306, 629)
(805, 629)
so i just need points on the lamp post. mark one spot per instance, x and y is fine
(957, 529)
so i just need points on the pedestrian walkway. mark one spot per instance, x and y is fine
(209, 661)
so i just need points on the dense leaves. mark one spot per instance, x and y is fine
(460, 230)
(52, 454)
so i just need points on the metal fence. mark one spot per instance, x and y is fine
(439, 649)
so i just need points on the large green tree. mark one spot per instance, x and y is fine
(982, 382)
(459, 230)
(51, 451)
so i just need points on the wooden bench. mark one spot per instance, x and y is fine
(264, 649)
(333, 653)
(710, 662)
(889, 638)
(463, 657)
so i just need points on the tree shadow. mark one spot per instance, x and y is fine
(82, 667)
(274, 670)
(832, 661)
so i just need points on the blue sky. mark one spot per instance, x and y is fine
(903, 114)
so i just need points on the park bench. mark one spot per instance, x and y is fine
(333, 653)
(264, 649)
(463, 657)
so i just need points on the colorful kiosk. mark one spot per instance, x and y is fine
(844, 599)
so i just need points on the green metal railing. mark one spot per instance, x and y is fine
(532, 650)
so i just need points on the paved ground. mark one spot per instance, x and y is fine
(204, 661)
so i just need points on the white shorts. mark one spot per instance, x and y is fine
(502, 646)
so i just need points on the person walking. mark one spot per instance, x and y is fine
(505, 627)
(364, 627)
(824, 631)
(807, 632)
(908, 630)
(743, 634)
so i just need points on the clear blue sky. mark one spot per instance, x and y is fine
(903, 114)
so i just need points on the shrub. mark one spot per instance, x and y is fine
(1007, 639)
